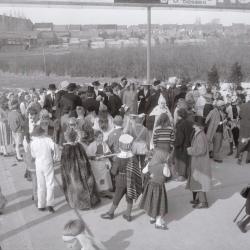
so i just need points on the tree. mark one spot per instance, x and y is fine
(236, 75)
(213, 76)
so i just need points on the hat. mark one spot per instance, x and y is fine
(71, 86)
(114, 84)
(38, 131)
(199, 121)
(220, 103)
(124, 79)
(118, 121)
(156, 82)
(125, 142)
(52, 87)
(96, 83)
(64, 84)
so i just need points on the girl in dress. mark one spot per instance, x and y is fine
(99, 164)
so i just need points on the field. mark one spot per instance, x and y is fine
(192, 62)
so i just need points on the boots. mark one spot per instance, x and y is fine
(231, 149)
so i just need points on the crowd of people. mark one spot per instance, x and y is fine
(122, 139)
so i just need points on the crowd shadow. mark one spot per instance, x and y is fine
(119, 240)
(21, 193)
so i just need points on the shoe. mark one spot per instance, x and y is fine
(241, 227)
(195, 202)
(107, 216)
(201, 205)
(230, 153)
(42, 209)
(51, 209)
(239, 161)
(247, 161)
(19, 159)
(152, 221)
(162, 227)
(219, 161)
(32, 197)
(127, 217)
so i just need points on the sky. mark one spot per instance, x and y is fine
(125, 15)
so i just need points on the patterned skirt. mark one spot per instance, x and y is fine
(154, 200)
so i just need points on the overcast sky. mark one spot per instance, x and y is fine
(120, 15)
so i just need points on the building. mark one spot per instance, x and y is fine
(43, 27)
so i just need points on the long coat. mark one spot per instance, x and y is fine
(79, 185)
(143, 100)
(245, 120)
(184, 131)
(200, 175)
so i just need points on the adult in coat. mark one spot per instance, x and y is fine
(199, 179)
(50, 101)
(78, 181)
(130, 98)
(215, 123)
(70, 100)
(184, 131)
(244, 145)
(114, 102)
(143, 97)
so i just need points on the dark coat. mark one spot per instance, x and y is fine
(69, 101)
(152, 101)
(91, 104)
(143, 101)
(50, 105)
(184, 132)
(77, 178)
(114, 103)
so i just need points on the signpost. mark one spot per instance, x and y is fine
(201, 4)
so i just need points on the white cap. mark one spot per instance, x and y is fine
(125, 142)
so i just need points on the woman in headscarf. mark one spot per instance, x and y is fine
(77, 178)
(157, 111)
(130, 98)
(200, 176)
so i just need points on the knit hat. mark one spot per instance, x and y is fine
(118, 121)
(125, 142)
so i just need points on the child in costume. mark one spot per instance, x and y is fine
(128, 178)
(76, 237)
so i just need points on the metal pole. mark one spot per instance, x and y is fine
(44, 61)
(149, 45)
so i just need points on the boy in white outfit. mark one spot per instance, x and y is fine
(43, 150)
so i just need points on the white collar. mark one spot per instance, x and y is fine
(125, 154)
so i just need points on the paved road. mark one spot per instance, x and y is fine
(23, 227)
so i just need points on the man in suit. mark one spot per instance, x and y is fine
(114, 102)
(69, 101)
(50, 101)
(90, 103)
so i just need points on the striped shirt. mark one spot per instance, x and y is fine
(163, 136)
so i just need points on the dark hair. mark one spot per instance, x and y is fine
(97, 133)
(182, 113)
(163, 120)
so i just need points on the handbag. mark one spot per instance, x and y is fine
(245, 191)
(166, 170)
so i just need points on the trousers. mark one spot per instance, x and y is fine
(45, 186)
